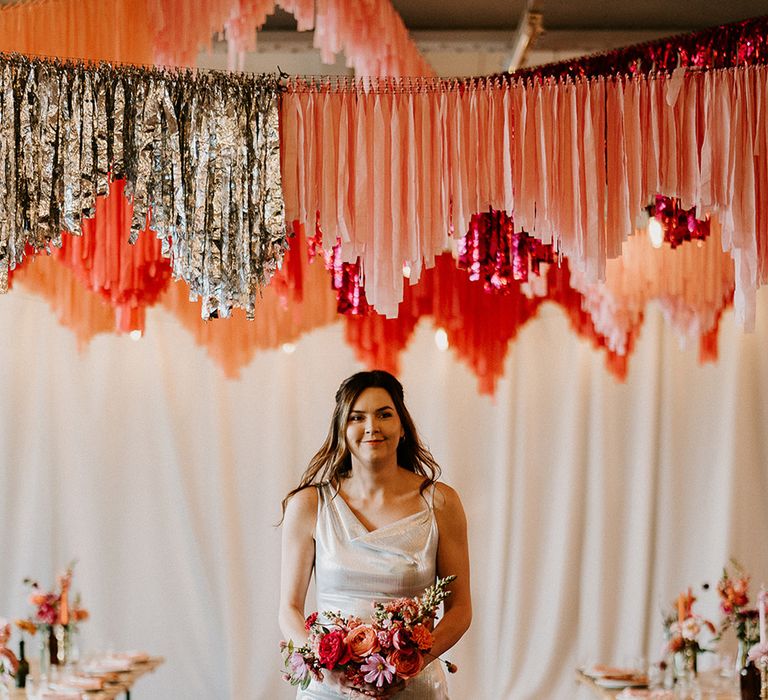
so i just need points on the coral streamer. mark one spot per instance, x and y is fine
(298, 301)
(371, 33)
(77, 308)
(108, 30)
(129, 276)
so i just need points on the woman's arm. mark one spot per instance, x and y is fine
(298, 558)
(452, 558)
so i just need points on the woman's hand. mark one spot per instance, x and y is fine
(337, 680)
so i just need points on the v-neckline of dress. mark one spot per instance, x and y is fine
(376, 530)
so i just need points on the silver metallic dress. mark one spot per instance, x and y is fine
(354, 567)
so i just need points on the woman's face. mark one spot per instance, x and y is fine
(373, 427)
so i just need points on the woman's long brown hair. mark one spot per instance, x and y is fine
(333, 462)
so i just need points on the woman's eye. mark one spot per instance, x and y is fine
(386, 414)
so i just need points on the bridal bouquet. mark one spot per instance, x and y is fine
(374, 655)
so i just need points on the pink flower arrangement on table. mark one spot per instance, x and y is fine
(684, 631)
(54, 607)
(388, 649)
(734, 604)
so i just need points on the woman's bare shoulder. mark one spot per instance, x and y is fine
(446, 497)
(303, 504)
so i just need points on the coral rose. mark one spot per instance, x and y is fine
(362, 641)
(333, 650)
(407, 662)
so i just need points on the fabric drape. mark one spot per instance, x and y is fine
(590, 503)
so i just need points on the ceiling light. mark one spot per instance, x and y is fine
(655, 232)
(441, 339)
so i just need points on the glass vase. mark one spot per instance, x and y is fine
(686, 673)
(46, 635)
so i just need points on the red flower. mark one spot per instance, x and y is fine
(333, 650)
(401, 639)
(310, 621)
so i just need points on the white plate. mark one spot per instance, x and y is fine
(603, 670)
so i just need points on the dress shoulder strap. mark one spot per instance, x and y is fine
(429, 494)
(325, 496)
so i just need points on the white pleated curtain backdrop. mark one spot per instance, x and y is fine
(590, 503)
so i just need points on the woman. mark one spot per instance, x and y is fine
(375, 524)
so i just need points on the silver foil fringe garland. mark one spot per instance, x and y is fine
(200, 154)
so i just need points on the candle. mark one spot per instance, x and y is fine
(64, 608)
(761, 601)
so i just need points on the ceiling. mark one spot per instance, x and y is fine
(565, 14)
(476, 37)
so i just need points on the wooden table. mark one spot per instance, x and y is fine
(711, 688)
(598, 691)
(122, 685)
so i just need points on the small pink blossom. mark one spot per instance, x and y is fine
(298, 665)
(691, 628)
(385, 638)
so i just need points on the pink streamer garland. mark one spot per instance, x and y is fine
(371, 33)
(395, 167)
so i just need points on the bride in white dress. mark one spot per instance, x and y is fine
(372, 521)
